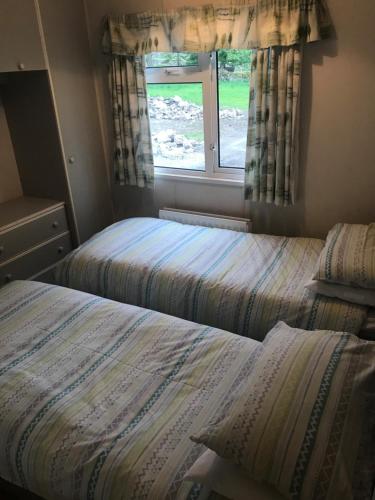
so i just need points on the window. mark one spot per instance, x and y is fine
(176, 120)
(198, 107)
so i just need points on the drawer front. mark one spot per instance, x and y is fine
(22, 238)
(33, 262)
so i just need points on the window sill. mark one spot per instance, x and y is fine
(201, 179)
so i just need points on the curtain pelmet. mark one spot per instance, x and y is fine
(253, 25)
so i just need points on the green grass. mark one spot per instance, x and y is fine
(196, 135)
(191, 92)
(233, 94)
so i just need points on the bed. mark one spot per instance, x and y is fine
(98, 399)
(243, 283)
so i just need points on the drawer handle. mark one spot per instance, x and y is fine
(55, 224)
(1, 249)
(60, 249)
(8, 278)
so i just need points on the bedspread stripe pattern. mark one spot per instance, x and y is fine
(348, 257)
(304, 423)
(243, 283)
(98, 399)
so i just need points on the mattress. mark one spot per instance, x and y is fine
(243, 283)
(98, 399)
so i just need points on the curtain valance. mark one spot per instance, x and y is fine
(260, 24)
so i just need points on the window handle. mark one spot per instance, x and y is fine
(172, 72)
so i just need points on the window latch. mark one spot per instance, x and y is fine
(172, 72)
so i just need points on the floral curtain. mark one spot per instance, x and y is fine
(133, 161)
(257, 24)
(274, 28)
(271, 153)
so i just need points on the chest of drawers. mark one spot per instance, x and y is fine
(34, 236)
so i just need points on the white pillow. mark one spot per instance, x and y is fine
(228, 479)
(362, 296)
(303, 422)
(348, 256)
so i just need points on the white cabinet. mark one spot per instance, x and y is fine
(34, 236)
(21, 45)
(71, 72)
(53, 114)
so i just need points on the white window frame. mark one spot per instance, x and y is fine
(206, 74)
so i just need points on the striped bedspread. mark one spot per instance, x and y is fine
(98, 399)
(243, 283)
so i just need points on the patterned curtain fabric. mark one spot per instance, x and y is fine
(258, 24)
(133, 160)
(270, 170)
(272, 27)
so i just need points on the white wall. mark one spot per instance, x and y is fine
(337, 162)
(10, 184)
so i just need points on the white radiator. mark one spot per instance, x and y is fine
(203, 219)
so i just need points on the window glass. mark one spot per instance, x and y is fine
(233, 76)
(176, 121)
(198, 107)
(171, 59)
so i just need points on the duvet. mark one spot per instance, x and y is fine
(243, 283)
(98, 399)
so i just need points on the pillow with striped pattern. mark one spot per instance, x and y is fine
(304, 422)
(348, 257)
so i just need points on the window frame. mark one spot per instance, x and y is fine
(206, 73)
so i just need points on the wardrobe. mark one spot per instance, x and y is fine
(54, 188)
